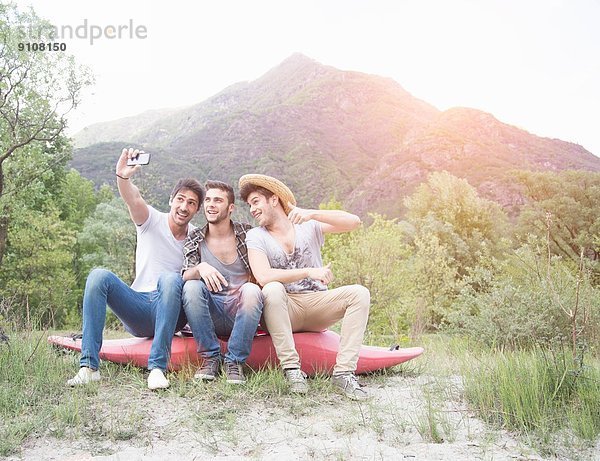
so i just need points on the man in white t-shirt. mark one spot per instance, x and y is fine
(151, 307)
(285, 257)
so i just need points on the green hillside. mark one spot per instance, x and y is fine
(326, 132)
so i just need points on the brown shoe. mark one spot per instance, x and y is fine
(209, 369)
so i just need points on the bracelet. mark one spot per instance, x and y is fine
(119, 176)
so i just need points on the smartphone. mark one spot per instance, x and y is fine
(143, 158)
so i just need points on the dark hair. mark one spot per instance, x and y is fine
(221, 186)
(190, 184)
(248, 188)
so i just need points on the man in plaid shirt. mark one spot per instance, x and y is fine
(219, 296)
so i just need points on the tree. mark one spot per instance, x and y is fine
(76, 199)
(108, 240)
(39, 264)
(566, 206)
(434, 277)
(37, 91)
(457, 236)
(334, 241)
(468, 226)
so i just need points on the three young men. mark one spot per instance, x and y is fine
(219, 297)
(285, 257)
(152, 305)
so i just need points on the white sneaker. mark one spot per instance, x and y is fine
(297, 380)
(348, 384)
(157, 380)
(84, 376)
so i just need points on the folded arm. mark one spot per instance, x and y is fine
(264, 273)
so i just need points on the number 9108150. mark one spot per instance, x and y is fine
(42, 46)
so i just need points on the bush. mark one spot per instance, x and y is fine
(376, 258)
(529, 303)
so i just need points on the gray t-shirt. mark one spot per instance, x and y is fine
(235, 273)
(307, 253)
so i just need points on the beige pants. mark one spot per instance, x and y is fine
(286, 313)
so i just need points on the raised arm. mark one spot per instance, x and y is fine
(264, 273)
(138, 209)
(332, 221)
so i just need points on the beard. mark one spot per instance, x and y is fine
(216, 218)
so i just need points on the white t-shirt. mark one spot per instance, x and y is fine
(307, 253)
(157, 251)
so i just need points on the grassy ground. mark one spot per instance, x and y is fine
(537, 394)
(427, 402)
(549, 399)
(34, 400)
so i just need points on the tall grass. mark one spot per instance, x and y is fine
(32, 390)
(535, 392)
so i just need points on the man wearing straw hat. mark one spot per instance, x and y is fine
(285, 257)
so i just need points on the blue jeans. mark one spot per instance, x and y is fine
(144, 314)
(235, 315)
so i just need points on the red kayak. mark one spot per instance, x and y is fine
(317, 352)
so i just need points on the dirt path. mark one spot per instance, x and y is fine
(409, 418)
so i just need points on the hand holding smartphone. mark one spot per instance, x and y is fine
(142, 158)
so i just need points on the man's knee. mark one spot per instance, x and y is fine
(361, 295)
(251, 296)
(97, 278)
(170, 283)
(170, 278)
(193, 289)
(273, 290)
(195, 296)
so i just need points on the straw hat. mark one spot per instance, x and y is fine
(271, 184)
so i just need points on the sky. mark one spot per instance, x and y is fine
(534, 64)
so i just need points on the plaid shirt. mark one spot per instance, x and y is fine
(191, 247)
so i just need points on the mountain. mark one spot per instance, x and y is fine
(124, 128)
(326, 132)
(470, 144)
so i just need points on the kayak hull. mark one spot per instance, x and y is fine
(317, 352)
